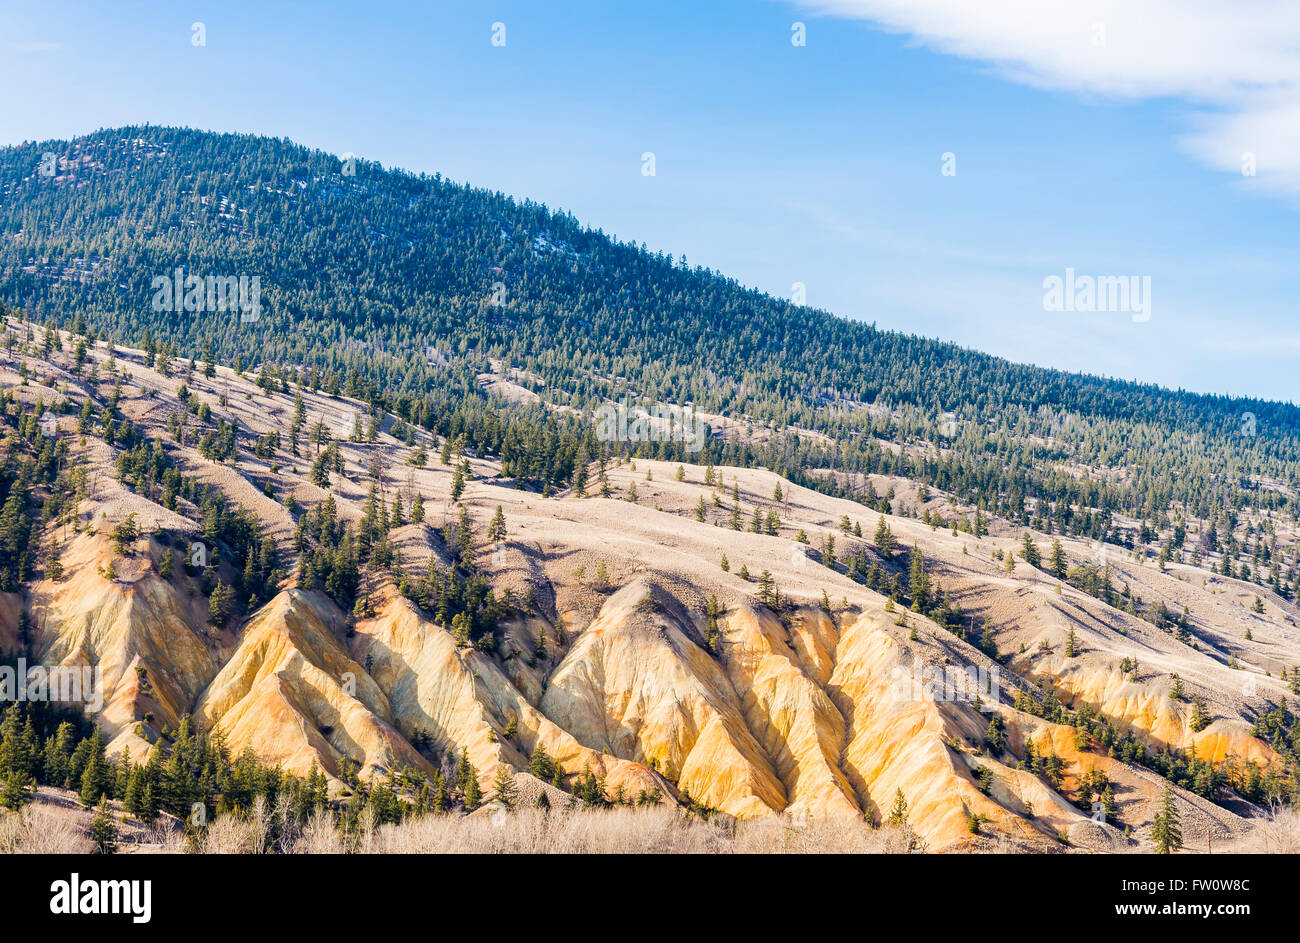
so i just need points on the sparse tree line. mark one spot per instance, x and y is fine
(796, 370)
(600, 320)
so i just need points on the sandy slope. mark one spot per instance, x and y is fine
(795, 715)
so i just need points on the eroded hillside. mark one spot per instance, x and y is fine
(619, 644)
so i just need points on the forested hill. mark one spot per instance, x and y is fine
(402, 288)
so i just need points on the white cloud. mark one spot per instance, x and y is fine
(1236, 62)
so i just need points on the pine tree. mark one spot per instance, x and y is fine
(767, 593)
(540, 764)
(473, 794)
(580, 473)
(94, 775)
(918, 582)
(497, 526)
(1058, 565)
(884, 538)
(504, 790)
(898, 812)
(1165, 831)
(1030, 553)
(17, 790)
(134, 794)
(91, 782)
(1108, 803)
(149, 804)
(103, 829)
(711, 636)
(464, 771)
(221, 603)
(17, 750)
(58, 755)
(1200, 717)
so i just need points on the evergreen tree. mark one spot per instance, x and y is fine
(504, 790)
(711, 635)
(1166, 833)
(103, 829)
(95, 774)
(898, 811)
(473, 794)
(17, 790)
(541, 765)
(1199, 718)
(497, 526)
(1030, 552)
(884, 539)
(918, 582)
(1176, 691)
(1057, 565)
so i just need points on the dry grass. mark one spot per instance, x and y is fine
(1279, 834)
(616, 831)
(55, 825)
(236, 835)
(47, 829)
(260, 829)
(40, 829)
(163, 837)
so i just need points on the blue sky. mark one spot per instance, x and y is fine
(775, 164)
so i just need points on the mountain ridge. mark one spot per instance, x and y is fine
(405, 290)
(606, 640)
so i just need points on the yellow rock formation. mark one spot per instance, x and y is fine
(292, 693)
